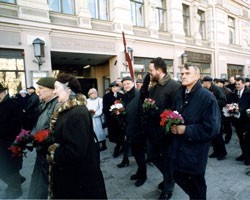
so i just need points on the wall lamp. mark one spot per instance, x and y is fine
(39, 51)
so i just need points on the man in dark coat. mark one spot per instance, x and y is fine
(10, 125)
(134, 134)
(32, 109)
(218, 142)
(191, 141)
(115, 132)
(163, 89)
(39, 179)
(242, 124)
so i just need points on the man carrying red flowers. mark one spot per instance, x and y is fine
(39, 180)
(191, 141)
(10, 125)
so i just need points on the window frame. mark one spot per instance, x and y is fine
(186, 19)
(202, 25)
(161, 16)
(7, 1)
(135, 19)
(231, 30)
(98, 10)
(60, 6)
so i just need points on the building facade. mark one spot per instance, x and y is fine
(84, 38)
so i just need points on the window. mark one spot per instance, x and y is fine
(8, 1)
(186, 19)
(137, 12)
(12, 70)
(161, 14)
(98, 9)
(202, 25)
(62, 6)
(231, 27)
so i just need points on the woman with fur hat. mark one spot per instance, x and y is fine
(75, 156)
(39, 180)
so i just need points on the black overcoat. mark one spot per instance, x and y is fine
(77, 173)
(115, 131)
(11, 117)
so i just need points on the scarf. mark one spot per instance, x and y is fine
(76, 100)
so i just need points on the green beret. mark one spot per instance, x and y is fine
(47, 82)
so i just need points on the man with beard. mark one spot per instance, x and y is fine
(163, 89)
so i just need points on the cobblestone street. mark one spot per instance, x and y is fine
(226, 179)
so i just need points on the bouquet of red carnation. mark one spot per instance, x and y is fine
(169, 118)
(22, 142)
(43, 137)
(117, 108)
(92, 112)
(149, 104)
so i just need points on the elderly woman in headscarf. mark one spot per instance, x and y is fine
(75, 156)
(94, 104)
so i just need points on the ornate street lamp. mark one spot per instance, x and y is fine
(39, 51)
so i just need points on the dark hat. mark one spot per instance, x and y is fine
(47, 82)
(31, 87)
(139, 81)
(2, 88)
(207, 78)
(221, 80)
(113, 84)
(127, 78)
(71, 82)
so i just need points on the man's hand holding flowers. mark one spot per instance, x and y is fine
(178, 129)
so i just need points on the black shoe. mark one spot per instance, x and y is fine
(160, 186)
(124, 163)
(140, 182)
(165, 196)
(213, 155)
(103, 148)
(134, 177)
(22, 179)
(227, 140)
(222, 156)
(247, 162)
(240, 158)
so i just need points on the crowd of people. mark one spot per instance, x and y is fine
(69, 166)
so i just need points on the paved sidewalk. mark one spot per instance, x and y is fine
(226, 179)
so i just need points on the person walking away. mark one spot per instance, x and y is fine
(191, 141)
(75, 157)
(39, 180)
(95, 106)
(163, 89)
(11, 119)
(115, 132)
